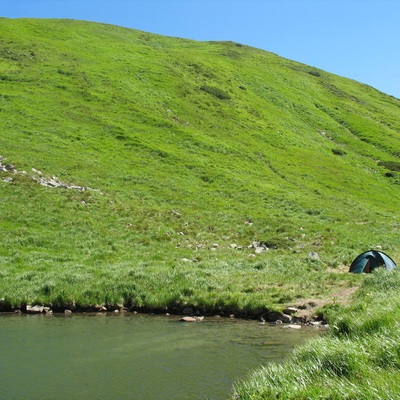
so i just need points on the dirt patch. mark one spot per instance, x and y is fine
(308, 308)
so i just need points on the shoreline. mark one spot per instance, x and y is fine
(187, 314)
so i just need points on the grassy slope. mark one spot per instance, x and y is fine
(289, 156)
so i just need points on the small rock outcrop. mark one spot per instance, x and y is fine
(52, 182)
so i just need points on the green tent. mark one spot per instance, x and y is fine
(369, 260)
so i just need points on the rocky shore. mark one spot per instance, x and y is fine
(293, 317)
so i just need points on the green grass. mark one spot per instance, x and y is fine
(185, 145)
(358, 359)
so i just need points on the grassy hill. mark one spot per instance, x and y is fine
(189, 152)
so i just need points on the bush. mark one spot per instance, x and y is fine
(314, 72)
(339, 152)
(390, 165)
(220, 94)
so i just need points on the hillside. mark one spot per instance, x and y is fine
(192, 154)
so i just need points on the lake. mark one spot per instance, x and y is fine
(134, 356)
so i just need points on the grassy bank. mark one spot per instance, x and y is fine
(358, 359)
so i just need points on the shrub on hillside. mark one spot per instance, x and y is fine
(390, 165)
(219, 93)
(339, 152)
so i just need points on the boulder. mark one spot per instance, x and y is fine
(34, 309)
(286, 318)
(290, 310)
(188, 319)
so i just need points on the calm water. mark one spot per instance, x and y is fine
(133, 357)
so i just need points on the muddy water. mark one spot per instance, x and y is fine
(133, 357)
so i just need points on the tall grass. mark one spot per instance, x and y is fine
(358, 359)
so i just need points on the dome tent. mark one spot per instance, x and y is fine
(369, 260)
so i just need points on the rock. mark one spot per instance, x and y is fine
(188, 319)
(34, 309)
(286, 318)
(8, 179)
(313, 255)
(67, 312)
(260, 250)
(290, 310)
(233, 246)
(293, 326)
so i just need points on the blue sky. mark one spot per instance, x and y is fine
(358, 39)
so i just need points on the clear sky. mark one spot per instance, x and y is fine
(358, 39)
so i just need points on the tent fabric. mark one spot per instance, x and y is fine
(369, 260)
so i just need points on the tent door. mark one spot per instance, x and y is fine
(367, 267)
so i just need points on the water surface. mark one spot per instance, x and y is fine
(133, 357)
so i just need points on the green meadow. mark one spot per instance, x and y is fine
(209, 175)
